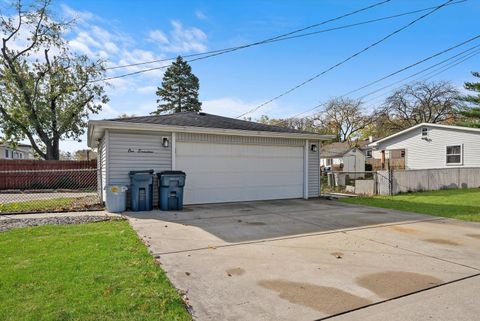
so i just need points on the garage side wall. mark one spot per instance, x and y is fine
(313, 169)
(129, 151)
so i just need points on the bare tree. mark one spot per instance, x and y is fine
(422, 102)
(304, 124)
(345, 118)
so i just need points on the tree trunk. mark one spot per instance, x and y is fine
(53, 150)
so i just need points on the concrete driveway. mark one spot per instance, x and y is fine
(316, 260)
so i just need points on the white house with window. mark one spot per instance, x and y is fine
(21, 151)
(426, 146)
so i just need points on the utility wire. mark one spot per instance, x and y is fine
(346, 59)
(433, 73)
(421, 71)
(397, 72)
(223, 51)
(262, 41)
(280, 38)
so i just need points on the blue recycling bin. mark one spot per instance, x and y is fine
(141, 190)
(170, 190)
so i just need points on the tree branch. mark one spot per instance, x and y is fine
(25, 130)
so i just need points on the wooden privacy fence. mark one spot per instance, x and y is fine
(41, 175)
(30, 164)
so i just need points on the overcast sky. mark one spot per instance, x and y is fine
(124, 32)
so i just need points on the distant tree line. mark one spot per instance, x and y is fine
(422, 102)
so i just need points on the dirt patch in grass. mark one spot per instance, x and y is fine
(11, 223)
(442, 242)
(321, 298)
(391, 284)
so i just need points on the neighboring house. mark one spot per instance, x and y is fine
(343, 155)
(366, 148)
(21, 151)
(426, 146)
(225, 159)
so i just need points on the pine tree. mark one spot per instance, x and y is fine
(472, 111)
(179, 91)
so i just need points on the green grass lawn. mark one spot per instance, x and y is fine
(97, 271)
(37, 205)
(462, 204)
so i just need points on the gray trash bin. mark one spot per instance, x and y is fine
(170, 190)
(116, 201)
(141, 190)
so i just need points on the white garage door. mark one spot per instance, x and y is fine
(226, 173)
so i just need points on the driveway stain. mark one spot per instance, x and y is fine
(256, 223)
(338, 255)
(403, 229)
(321, 298)
(477, 236)
(374, 212)
(394, 283)
(442, 241)
(235, 271)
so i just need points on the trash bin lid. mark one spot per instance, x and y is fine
(171, 173)
(145, 171)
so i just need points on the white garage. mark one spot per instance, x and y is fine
(225, 159)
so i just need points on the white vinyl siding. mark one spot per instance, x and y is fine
(313, 170)
(431, 153)
(102, 168)
(244, 140)
(136, 151)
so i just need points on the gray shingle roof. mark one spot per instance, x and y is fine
(207, 121)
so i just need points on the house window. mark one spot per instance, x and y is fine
(454, 155)
(368, 153)
(6, 153)
(329, 162)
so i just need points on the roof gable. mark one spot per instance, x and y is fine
(439, 126)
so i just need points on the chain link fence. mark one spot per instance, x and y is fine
(49, 190)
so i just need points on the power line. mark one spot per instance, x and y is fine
(434, 72)
(398, 71)
(454, 65)
(280, 38)
(413, 65)
(227, 50)
(262, 41)
(346, 60)
(421, 71)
